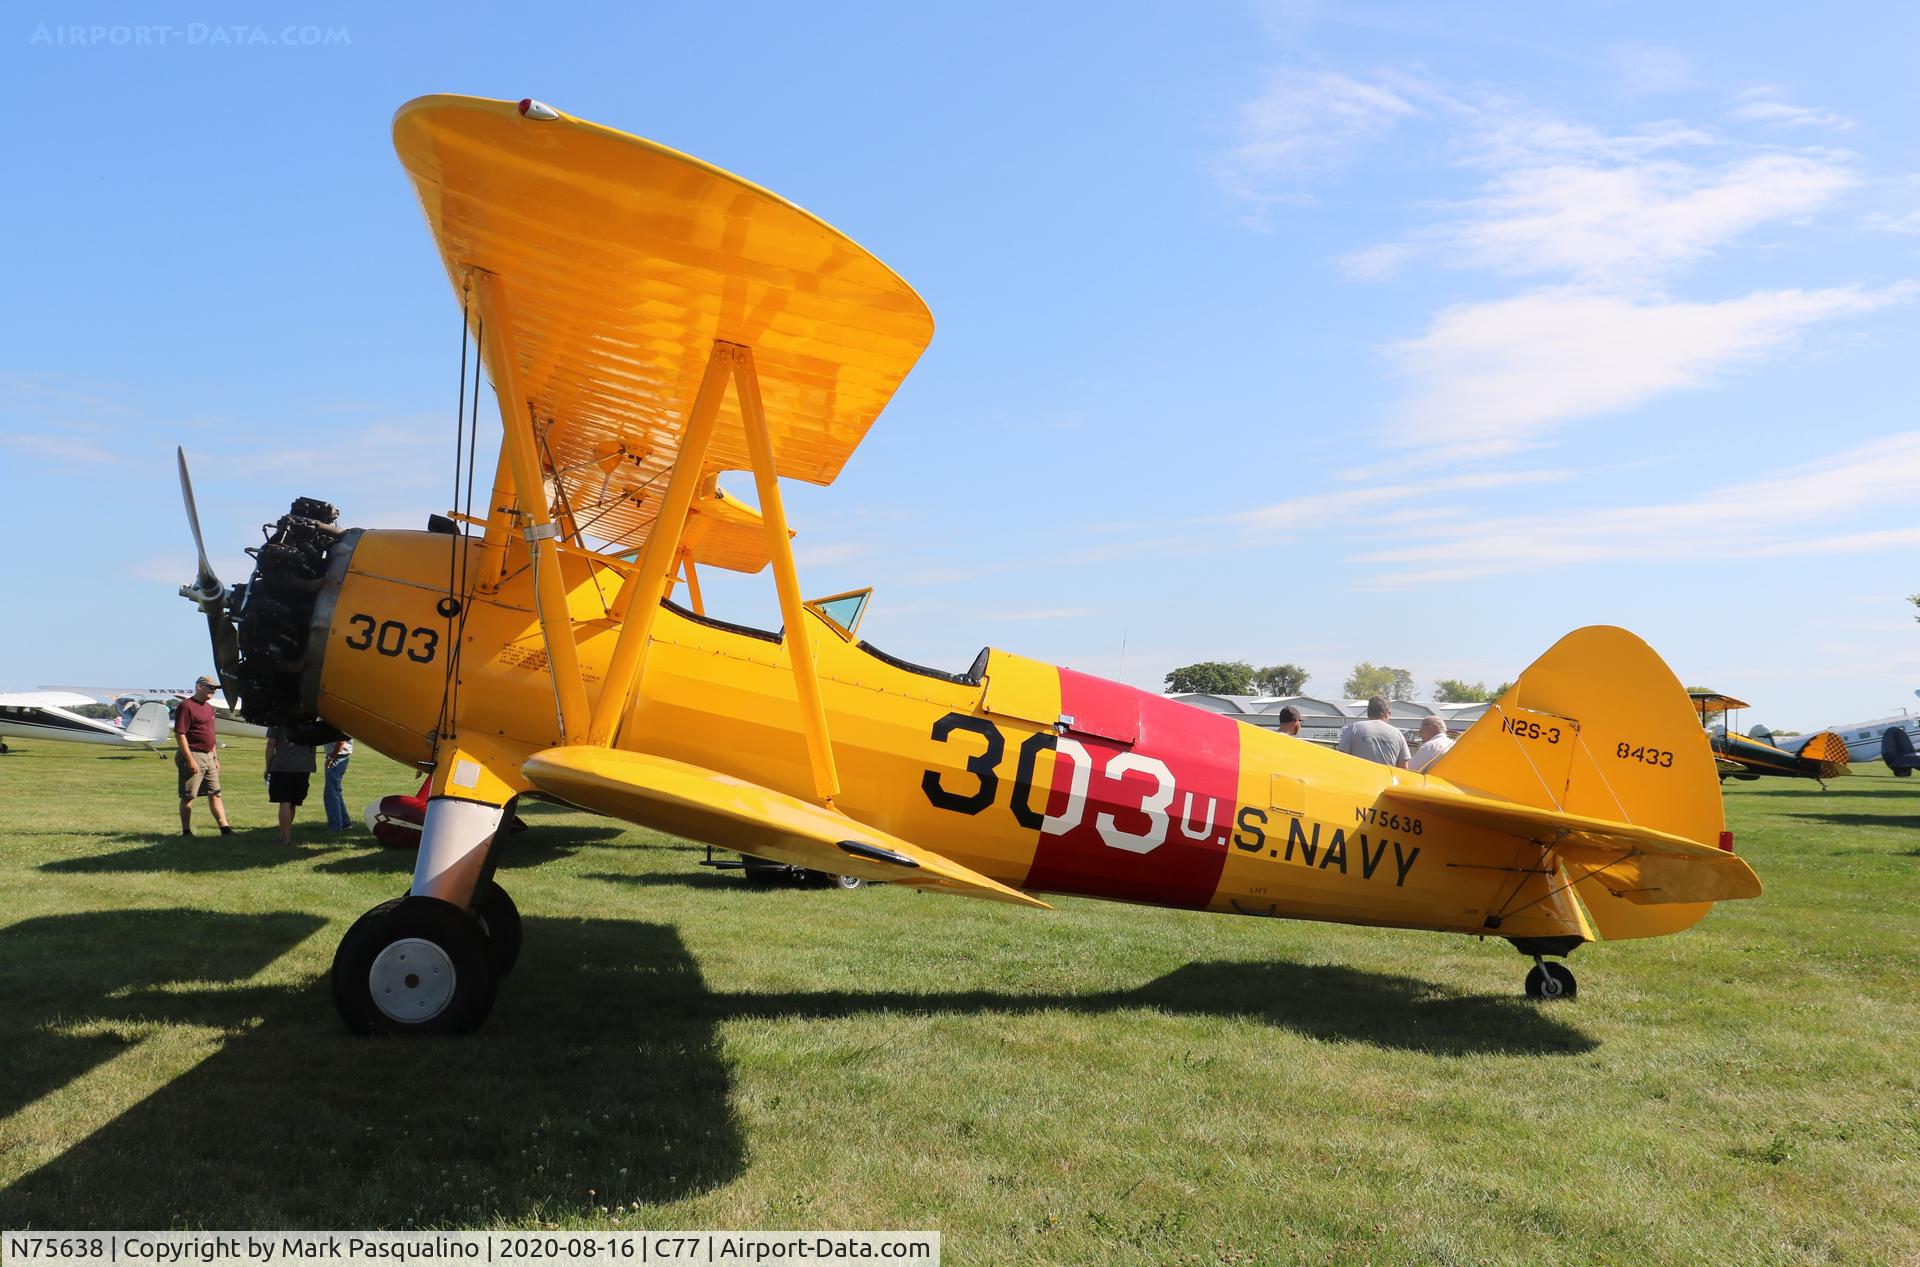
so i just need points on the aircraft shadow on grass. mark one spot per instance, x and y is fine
(1841, 819)
(610, 1074)
(248, 849)
(258, 848)
(687, 880)
(532, 848)
(1911, 793)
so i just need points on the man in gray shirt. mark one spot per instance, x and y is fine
(1376, 739)
(289, 771)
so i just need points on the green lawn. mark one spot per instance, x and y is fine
(1102, 1084)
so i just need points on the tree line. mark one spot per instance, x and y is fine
(1237, 677)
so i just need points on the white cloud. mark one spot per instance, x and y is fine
(1791, 512)
(408, 452)
(1502, 133)
(66, 448)
(1376, 263)
(1043, 613)
(1767, 105)
(1906, 225)
(826, 553)
(1600, 223)
(1303, 122)
(1488, 379)
(1647, 69)
(1314, 508)
(1636, 220)
(1564, 200)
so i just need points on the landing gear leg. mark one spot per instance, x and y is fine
(1551, 981)
(426, 964)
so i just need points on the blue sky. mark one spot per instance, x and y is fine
(1276, 332)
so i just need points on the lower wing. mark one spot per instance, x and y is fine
(718, 809)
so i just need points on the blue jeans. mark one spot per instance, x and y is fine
(336, 797)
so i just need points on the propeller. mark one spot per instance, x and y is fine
(211, 597)
(206, 589)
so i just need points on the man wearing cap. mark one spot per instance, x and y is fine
(197, 761)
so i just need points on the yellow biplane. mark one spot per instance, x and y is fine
(648, 322)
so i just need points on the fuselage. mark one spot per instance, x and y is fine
(1040, 777)
(1747, 757)
(64, 726)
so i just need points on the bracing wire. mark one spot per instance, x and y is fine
(473, 445)
(454, 548)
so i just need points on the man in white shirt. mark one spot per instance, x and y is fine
(1375, 739)
(1434, 742)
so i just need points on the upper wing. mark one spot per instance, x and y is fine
(623, 261)
(1640, 864)
(45, 699)
(705, 805)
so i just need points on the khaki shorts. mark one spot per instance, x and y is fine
(200, 776)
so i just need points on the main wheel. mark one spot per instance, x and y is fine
(849, 882)
(500, 921)
(1551, 981)
(415, 965)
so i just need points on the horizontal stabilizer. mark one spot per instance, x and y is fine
(718, 809)
(1641, 864)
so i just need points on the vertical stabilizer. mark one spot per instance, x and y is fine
(1599, 726)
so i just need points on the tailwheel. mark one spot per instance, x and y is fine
(499, 919)
(1551, 981)
(415, 965)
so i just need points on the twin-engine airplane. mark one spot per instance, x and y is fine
(649, 321)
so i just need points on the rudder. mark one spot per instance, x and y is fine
(149, 724)
(1600, 726)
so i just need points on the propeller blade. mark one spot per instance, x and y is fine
(206, 589)
(212, 596)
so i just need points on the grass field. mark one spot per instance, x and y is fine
(1103, 1084)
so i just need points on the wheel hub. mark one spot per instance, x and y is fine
(412, 980)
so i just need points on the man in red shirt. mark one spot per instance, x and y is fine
(197, 761)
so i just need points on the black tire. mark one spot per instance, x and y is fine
(499, 919)
(760, 871)
(1551, 982)
(432, 963)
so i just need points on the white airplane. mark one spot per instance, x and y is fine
(126, 701)
(1864, 738)
(49, 715)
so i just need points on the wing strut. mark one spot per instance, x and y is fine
(640, 597)
(693, 585)
(542, 533)
(753, 418)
